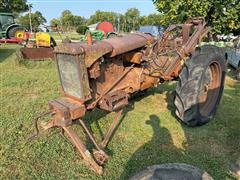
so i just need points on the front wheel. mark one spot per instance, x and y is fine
(200, 86)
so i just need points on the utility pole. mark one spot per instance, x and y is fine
(30, 18)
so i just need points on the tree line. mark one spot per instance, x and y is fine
(130, 20)
(222, 15)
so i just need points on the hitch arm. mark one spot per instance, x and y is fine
(82, 149)
(113, 126)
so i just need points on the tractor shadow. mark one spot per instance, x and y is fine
(5, 53)
(160, 149)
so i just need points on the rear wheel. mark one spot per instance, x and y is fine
(200, 86)
(16, 32)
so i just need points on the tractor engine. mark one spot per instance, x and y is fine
(109, 70)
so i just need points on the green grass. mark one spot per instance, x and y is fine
(71, 35)
(149, 133)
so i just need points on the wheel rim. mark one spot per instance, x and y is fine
(210, 89)
(19, 34)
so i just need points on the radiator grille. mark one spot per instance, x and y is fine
(69, 73)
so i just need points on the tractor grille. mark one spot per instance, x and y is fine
(68, 71)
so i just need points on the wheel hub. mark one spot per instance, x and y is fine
(19, 34)
(210, 88)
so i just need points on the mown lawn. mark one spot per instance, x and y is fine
(149, 133)
(70, 35)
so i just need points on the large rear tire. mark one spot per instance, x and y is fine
(16, 32)
(200, 86)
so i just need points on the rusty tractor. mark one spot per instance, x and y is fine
(104, 74)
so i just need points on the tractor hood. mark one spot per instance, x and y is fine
(91, 52)
(109, 47)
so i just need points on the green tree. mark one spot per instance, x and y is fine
(221, 15)
(152, 19)
(14, 6)
(68, 21)
(101, 16)
(122, 23)
(81, 29)
(78, 21)
(36, 18)
(132, 19)
(55, 22)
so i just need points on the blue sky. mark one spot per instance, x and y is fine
(53, 8)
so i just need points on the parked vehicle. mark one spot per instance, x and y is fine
(100, 31)
(154, 30)
(233, 56)
(10, 31)
(232, 52)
